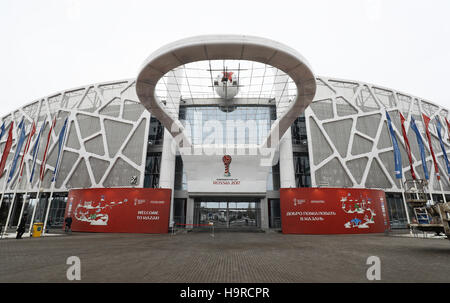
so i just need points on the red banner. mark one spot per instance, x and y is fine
(44, 159)
(333, 211)
(120, 210)
(426, 121)
(6, 149)
(408, 147)
(27, 146)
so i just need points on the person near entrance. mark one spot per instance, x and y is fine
(68, 222)
(21, 227)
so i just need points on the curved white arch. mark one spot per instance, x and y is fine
(229, 47)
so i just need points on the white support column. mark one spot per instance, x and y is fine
(189, 212)
(264, 207)
(167, 169)
(287, 173)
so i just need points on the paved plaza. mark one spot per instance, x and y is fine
(226, 257)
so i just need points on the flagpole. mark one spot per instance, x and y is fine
(11, 207)
(14, 163)
(442, 190)
(44, 162)
(53, 180)
(3, 193)
(23, 203)
(21, 167)
(7, 170)
(5, 185)
(35, 206)
(39, 190)
(408, 219)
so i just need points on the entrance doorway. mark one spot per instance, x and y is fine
(228, 213)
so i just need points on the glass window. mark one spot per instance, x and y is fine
(396, 210)
(298, 130)
(152, 166)
(179, 214)
(302, 170)
(251, 123)
(180, 175)
(274, 213)
(244, 214)
(156, 132)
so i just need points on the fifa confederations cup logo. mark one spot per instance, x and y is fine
(226, 161)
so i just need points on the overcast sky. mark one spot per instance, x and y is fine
(53, 45)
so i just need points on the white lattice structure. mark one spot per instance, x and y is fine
(349, 142)
(106, 137)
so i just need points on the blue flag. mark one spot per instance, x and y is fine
(62, 135)
(421, 147)
(36, 149)
(18, 149)
(397, 155)
(439, 127)
(2, 130)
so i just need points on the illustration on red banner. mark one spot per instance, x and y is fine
(332, 210)
(362, 210)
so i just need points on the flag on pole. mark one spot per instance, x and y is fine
(2, 130)
(448, 128)
(397, 155)
(421, 147)
(439, 127)
(36, 150)
(62, 135)
(27, 146)
(408, 147)
(7, 149)
(18, 149)
(427, 122)
(44, 160)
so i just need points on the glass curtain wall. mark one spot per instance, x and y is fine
(298, 129)
(227, 214)
(156, 132)
(258, 120)
(152, 167)
(274, 213)
(396, 210)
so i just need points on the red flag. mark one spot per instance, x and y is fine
(448, 128)
(408, 148)
(42, 171)
(427, 121)
(27, 146)
(7, 149)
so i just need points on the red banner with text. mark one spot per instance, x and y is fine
(333, 211)
(121, 210)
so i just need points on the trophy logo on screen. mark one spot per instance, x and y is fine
(226, 161)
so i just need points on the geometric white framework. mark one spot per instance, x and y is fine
(349, 142)
(105, 144)
(108, 129)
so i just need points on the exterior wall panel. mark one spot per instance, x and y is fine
(105, 141)
(349, 140)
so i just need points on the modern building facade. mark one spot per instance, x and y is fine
(122, 134)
